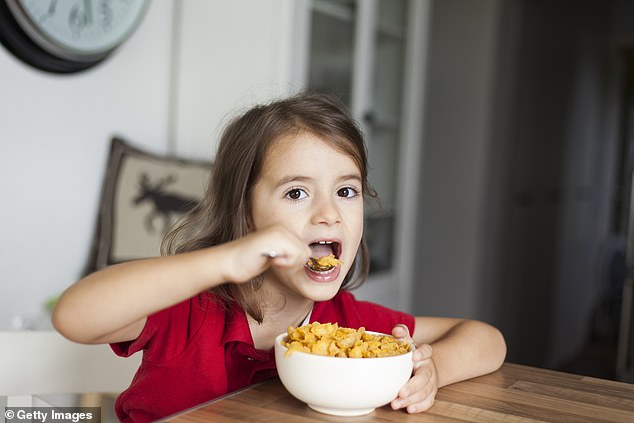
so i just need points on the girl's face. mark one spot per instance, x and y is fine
(315, 191)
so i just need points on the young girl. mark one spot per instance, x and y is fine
(289, 183)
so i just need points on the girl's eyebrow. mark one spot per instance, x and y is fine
(354, 176)
(302, 178)
(293, 178)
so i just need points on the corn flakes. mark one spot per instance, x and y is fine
(329, 339)
(328, 260)
(322, 264)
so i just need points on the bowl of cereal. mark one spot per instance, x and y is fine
(342, 371)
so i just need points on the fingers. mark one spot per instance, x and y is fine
(283, 259)
(421, 353)
(295, 256)
(401, 332)
(415, 403)
(417, 395)
(419, 392)
(281, 247)
(255, 253)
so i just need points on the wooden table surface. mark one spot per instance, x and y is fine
(514, 393)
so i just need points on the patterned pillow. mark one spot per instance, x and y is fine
(143, 195)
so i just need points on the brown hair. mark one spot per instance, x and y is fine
(224, 214)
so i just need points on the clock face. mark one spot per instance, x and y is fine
(77, 29)
(65, 36)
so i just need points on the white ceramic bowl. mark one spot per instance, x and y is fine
(341, 386)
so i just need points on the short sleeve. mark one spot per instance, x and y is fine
(127, 348)
(170, 329)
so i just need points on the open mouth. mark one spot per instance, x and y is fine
(325, 256)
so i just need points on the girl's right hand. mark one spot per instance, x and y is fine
(248, 255)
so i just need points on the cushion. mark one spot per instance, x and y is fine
(143, 195)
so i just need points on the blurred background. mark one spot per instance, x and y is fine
(499, 135)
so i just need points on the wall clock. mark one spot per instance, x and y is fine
(65, 36)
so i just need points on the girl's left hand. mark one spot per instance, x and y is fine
(419, 392)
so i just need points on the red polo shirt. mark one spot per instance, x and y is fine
(198, 350)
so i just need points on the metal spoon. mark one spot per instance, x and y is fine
(312, 262)
(272, 254)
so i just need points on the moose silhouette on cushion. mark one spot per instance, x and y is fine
(166, 204)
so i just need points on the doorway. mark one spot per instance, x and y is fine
(624, 227)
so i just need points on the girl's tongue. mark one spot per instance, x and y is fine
(321, 250)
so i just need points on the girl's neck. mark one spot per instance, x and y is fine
(279, 313)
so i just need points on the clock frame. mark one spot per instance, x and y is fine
(31, 41)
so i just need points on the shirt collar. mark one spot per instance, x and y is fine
(307, 318)
(236, 325)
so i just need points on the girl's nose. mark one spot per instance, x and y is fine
(326, 212)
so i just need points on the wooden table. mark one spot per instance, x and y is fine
(512, 394)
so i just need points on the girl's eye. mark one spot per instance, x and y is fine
(347, 192)
(296, 194)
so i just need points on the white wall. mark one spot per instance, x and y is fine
(54, 139)
(168, 89)
(233, 54)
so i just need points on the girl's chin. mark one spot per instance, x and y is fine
(321, 292)
(322, 286)
(316, 286)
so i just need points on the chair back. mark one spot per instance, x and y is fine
(44, 362)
